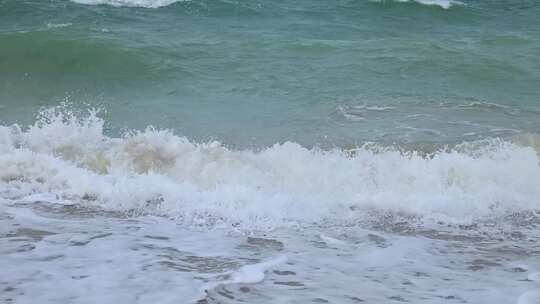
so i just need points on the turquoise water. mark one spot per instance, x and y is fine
(207, 151)
(259, 72)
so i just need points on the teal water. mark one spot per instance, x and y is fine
(221, 151)
(259, 72)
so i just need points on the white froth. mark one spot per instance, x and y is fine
(446, 4)
(130, 3)
(6, 143)
(254, 273)
(331, 241)
(534, 276)
(530, 297)
(158, 172)
(58, 25)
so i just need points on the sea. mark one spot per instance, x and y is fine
(270, 151)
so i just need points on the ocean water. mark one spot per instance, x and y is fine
(216, 151)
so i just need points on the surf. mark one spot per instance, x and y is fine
(157, 172)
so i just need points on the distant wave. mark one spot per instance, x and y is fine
(446, 4)
(130, 3)
(42, 54)
(65, 158)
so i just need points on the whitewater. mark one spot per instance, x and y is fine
(225, 152)
(155, 171)
(222, 225)
(161, 3)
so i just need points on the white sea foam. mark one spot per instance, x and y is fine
(254, 273)
(158, 172)
(530, 297)
(446, 4)
(331, 241)
(130, 3)
(534, 276)
(58, 25)
(247, 274)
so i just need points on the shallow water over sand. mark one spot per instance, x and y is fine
(66, 254)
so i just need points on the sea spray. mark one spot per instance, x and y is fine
(285, 184)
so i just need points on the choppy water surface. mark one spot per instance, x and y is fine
(314, 72)
(269, 151)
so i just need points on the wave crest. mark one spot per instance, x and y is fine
(157, 172)
(445, 4)
(130, 3)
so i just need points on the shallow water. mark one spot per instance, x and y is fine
(63, 253)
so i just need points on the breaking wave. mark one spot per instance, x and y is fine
(67, 158)
(130, 3)
(446, 4)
